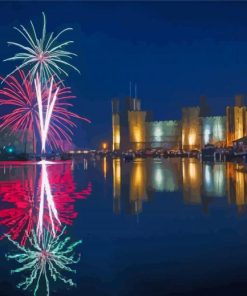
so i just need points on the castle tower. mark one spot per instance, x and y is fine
(115, 125)
(236, 120)
(128, 124)
(191, 128)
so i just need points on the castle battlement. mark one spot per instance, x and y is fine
(135, 130)
(213, 117)
(166, 122)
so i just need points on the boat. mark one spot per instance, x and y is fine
(208, 152)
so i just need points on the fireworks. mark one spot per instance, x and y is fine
(52, 122)
(25, 205)
(40, 109)
(45, 56)
(46, 258)
(39, 103)
(51, 100)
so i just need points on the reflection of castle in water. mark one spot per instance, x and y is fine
(237, 186)
(134, 183)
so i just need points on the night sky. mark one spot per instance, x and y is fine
(175, 52)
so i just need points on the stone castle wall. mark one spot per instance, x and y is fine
(213, 130)
(191, 128)
(137, 130)
(236, 123)
(165, 134)
(132, 128)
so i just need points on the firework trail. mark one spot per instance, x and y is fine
(45, 117)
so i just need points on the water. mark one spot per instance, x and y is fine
(149, 227)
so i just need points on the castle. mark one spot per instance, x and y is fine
(133, 128)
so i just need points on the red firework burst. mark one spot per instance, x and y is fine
(19, 94)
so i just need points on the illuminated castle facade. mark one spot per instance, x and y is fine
(133, 128)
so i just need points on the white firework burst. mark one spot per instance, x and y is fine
(45, 56)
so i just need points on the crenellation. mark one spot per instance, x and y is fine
(132, 128)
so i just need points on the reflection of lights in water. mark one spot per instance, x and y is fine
(116, 177)
(240, 188)
(85, 164)
(138, 183)
(24, 203)
(214, 179)
(46, 257)
(191, 181)
(72, 164)
(163, 176)
(46, 191)
(138, 175)
(207, 175)
(219, 179)
(159, 178)
(104, 167)
(192, 171)
(116, 170)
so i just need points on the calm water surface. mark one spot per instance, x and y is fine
(149, 227)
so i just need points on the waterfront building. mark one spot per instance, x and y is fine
(115, 125)
(236, 121)
(191, 128)
(163, 134)
(213, 130)
(134, 129)
(128, 124)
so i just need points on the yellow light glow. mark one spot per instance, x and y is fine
(104, 145)
(116, 168)
(105, 167)
(192, 138)
(138, 184)
(137, 134)
(137, 131)
(191, 170)
(240, 188)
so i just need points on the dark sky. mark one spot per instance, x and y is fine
(174, 51)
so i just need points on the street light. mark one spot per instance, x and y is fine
(104, 145)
